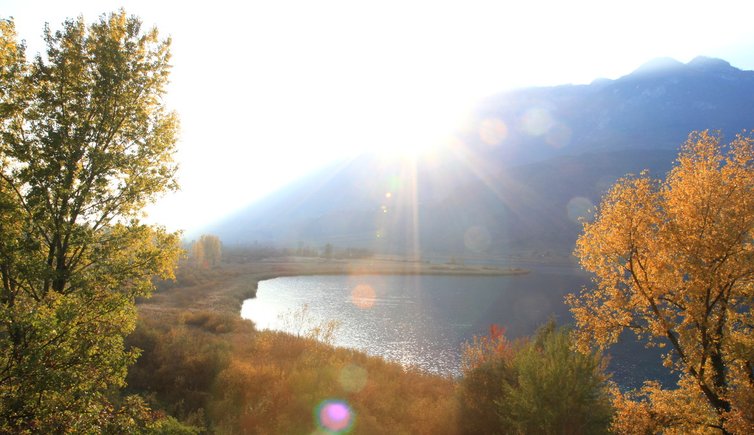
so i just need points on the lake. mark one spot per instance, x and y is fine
(425, 320)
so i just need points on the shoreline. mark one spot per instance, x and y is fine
(223, 288)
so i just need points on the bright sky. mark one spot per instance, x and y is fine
(269, 90)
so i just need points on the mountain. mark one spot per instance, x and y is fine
(536, 160)
(654, 107)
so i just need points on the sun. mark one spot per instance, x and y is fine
(418, 127)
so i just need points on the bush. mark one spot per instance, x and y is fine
(557, 389)
(534, 386)
(212, 321)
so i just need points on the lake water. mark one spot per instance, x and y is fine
(425, 320)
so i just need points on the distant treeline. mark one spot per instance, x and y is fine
(256, 252)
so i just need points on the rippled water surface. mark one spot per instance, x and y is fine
(424, 320)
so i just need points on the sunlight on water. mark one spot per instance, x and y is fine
(363, 296)
(423, 321)
(415, 321)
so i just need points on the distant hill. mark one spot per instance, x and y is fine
(654, 107)
(516, 183)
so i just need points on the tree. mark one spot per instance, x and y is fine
(85, 144)
(673, 261)
(207, 250)
(197, 253)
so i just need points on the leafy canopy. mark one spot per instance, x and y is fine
(673, 261)
(85, 144)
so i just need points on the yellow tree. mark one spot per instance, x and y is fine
(197, 253)
(207, 250)
(673, 261)
(212, 248)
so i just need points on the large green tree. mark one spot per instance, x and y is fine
(85, 144)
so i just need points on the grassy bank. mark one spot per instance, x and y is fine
(205, 365)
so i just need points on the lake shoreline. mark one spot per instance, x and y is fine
(223, 288)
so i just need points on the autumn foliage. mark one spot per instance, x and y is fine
(216, 371)
(673, 261)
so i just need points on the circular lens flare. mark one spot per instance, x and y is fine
(334, 416)
(537, 121)
(493, 131)
(477, 239)
(363, 296)
(579, 208)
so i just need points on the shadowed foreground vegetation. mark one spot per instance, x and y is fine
(211, 369)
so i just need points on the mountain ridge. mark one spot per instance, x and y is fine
(517, 189)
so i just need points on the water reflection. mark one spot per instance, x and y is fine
(423, 321)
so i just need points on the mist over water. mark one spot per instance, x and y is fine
(425, 320)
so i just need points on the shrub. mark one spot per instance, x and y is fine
(556, 389)
(539, 385)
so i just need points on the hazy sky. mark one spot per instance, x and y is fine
(267, 91)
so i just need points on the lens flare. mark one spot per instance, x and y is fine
(334, 416)
(363, 296)
(493, 131)
(477, 239)
(559, 135)
(353, 378)
(537, 121)
(394, 182)
(579, 208)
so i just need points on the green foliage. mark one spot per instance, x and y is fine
(556, 390)
(477, 392)
(85, 144)
(178, 366)
(171, 426)
(538, 386)
(211, 321)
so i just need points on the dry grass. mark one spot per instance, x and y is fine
(204, 364)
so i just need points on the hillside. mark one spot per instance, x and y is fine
(516, 190)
